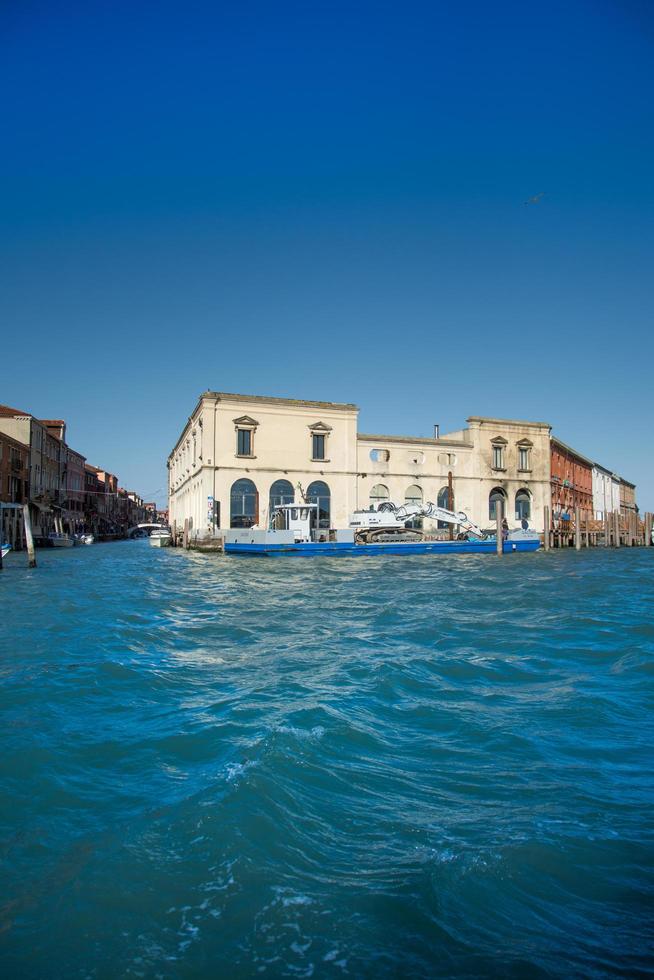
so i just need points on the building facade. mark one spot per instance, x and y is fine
(240, 455)
(46, 466)
(63, 491)
(572, 483)
(14, 488)
(627, 498)
(74, 496)
(606, 492)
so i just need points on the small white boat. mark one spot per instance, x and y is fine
(84, 539)
(6, 548)
(60, 540)
(160, 537)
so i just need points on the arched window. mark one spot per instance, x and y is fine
(319, 493)
(522, 505)
(413, 495)
(378, 494)
(281, 492)
(496, 494)
(443, 500)
(244, 504)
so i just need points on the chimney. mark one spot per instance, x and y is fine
(437, 431)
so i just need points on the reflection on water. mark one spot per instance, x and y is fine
(367, 767)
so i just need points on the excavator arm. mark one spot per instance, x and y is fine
(408, 512)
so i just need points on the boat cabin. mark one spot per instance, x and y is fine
(298, 518)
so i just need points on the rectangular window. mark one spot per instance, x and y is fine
(244, 442)
(318, 446)
(498, 457)
(523, 462)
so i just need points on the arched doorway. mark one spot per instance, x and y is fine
(496, 494)
(414, 495)
(319, 493)
(243, 504)
(378, 495)
(522, 505)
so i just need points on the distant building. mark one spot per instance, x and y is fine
(14, 487)
(74, 490)
(606, 492)
(46, 465)
(627, 498)
(240, 455)
(572, 483)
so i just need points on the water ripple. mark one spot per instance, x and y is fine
(381, 767)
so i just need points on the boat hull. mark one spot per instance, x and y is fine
(5, 548)
(159, 541)
(338, 549)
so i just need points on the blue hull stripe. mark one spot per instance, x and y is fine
(340, 548)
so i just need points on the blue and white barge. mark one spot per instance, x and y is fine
(371, 533)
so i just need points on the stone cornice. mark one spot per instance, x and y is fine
(414, 440)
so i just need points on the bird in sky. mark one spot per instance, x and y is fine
(535, 199)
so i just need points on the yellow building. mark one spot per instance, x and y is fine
(239, 455)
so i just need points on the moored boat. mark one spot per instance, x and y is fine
(160, 537)
(60, 540)
(5, 547)
(377, 532)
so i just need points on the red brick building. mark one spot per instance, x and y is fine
(14, 487)
(572, 483)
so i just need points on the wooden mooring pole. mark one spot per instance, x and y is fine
(546, 528)
(616, 528)
(499, 511)
(577, 529)
(185, 541)
(450, 501)
(29, 540)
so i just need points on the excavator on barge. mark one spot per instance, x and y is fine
(388, 522)
(294, 529)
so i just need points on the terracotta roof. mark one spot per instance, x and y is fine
(7, 412)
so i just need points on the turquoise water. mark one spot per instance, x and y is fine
(399, 767)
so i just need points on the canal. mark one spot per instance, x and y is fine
(388, 767)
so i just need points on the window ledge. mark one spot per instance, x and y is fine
(523, 471)
(244, 456)
(320, 460)
(499, 469)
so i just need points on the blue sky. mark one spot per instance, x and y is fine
(325, 200)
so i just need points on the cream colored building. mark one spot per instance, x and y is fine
(606, 492)
(239, 455)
